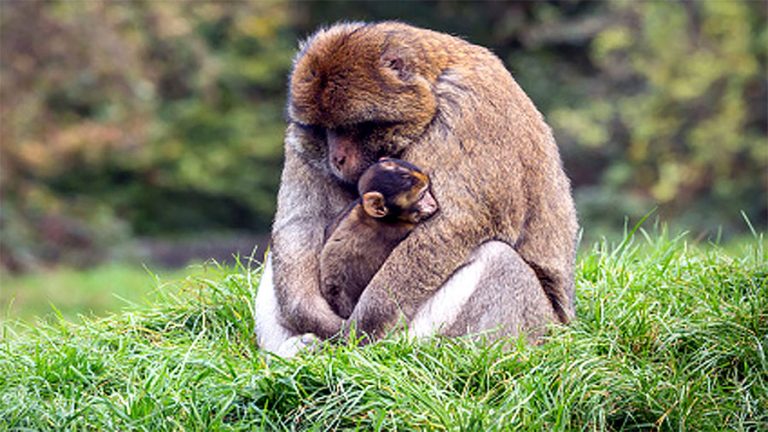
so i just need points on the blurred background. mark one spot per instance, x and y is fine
(148, 134)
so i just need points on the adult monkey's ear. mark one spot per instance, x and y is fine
(373, 204)
(395, 58)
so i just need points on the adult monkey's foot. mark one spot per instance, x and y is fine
(296, 344)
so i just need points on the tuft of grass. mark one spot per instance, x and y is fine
(669, 336)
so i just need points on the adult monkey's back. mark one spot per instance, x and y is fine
(501, 246)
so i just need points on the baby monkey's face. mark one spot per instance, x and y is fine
(396, 190)
(419, 205)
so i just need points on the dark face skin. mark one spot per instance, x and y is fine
(420, 209)
(347, 158)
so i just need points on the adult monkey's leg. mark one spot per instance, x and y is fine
(495, 294)
(270, 333)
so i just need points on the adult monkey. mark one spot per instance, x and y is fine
(500, 252)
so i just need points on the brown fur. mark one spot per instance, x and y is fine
(359, 240)
(354, 252)
(449, 107)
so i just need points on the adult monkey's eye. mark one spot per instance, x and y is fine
(315, 130)
(373, 125)
(366, 128)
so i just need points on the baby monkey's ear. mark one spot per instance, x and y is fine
(373, 204)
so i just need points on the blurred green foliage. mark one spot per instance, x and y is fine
(90, 292)
(678, 116)
(149, 118)
(137, 118)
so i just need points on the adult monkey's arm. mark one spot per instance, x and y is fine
(422, 262)
(308, 199)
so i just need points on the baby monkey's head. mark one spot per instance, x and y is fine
(395, 190)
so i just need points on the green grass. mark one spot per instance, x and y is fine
(669, 336)
(72, 292)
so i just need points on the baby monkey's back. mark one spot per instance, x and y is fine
(394, 197)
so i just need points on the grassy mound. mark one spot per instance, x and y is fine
(668, 336)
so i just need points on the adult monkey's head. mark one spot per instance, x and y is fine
(359, 92)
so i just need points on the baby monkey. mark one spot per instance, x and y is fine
(394, 197)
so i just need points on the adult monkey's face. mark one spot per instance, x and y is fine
(358, 93)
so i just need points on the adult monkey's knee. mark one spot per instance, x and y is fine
(510, 299)
(496, 294)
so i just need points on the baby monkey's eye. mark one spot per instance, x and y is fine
(423, 192)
